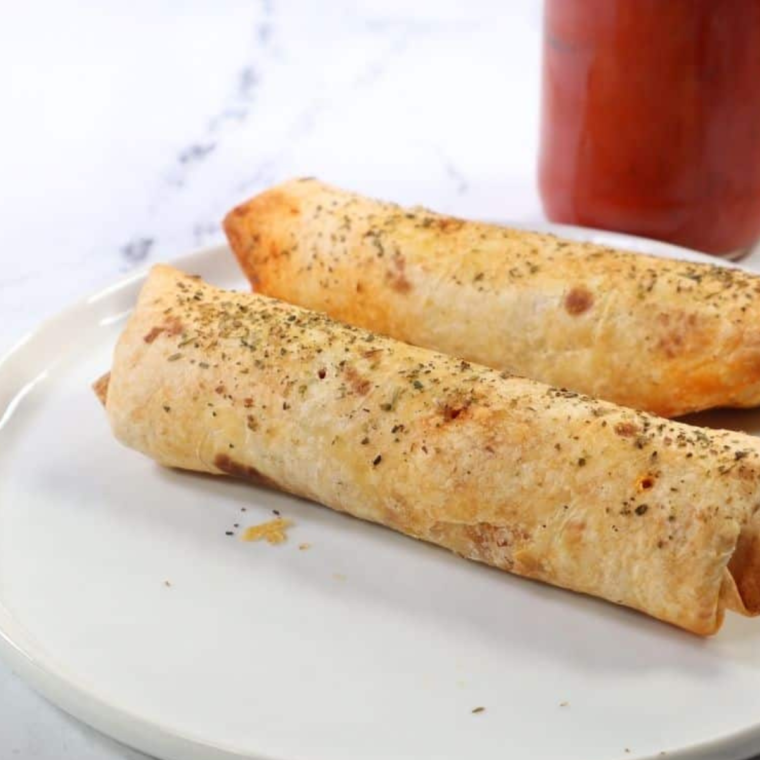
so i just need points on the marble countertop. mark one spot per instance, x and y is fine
(128, 135)
(129, 130)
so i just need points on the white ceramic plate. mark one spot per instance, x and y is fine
(367, 646)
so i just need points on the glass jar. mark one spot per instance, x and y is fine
(651, 119)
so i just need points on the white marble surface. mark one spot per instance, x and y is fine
(128, 129)
(127, 134)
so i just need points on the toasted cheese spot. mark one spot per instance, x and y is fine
(578, 300)
(680, 333)
(451, 412)
(359, 384)
(273, 531)
(528, 563)
(455, 406)
(153, 334)
(626, 429)
(229, 466)
(449, 224)
(396, 276)
(671, 344)
(481, 541)
(173, 327)
(574, 533)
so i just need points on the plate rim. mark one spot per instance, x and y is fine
(151, 737)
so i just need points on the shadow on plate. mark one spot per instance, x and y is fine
(485, 606)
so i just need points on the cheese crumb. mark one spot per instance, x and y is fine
(273, 532)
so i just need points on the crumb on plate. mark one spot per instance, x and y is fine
(273, 531)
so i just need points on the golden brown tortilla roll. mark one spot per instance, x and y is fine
(665, 336)
(655, 515)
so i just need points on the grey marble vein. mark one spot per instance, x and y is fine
(137, 250)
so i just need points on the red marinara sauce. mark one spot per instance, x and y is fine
(651, 119)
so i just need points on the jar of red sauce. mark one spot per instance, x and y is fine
(651, 119)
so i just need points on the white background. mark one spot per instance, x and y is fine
(128, 129)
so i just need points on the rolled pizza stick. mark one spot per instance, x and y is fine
(666, 336)
(544, 483)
